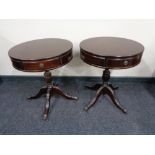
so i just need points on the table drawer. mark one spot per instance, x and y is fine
(123, 62)
(111, 62)
(42, 65)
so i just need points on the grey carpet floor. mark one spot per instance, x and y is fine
(67, 117)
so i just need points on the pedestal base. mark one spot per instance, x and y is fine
(103, 89)
(49, 90)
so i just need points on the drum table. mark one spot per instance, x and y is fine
(109, 53)
(41, 56)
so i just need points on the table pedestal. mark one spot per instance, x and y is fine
(102, 89)
(49, 90)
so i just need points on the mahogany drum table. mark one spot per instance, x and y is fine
(41, 56)
(109, 53)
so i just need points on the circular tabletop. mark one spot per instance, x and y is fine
(40, 55)
(111, 52)
(111, 46)
(40, 49)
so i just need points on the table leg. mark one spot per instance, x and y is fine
(108, 90)
(47, 105)
(105, 88)
(98, 93)
(114, 88)
(60, 92)
(39, 94)
(94, 87)
(49, 90)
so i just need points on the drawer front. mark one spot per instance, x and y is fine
(94, 61)
(34, 66)
(123, 62)
(111, 62)
(42, 65)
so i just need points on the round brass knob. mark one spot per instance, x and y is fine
(126, 62)
(41, 65)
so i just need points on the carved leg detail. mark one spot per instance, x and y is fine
(47, 105)
(48, 91)
(60, 92)
(105, 88)
(94, 87)
(40, 93)
(98, 93)
(110, 93)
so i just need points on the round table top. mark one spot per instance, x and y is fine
(40, 49)
(111, 46)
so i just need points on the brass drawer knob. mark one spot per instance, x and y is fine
(41, 65)
(126, 62)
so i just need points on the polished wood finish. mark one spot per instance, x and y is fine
(49, 90)
(41, 56)
(109, 53)
(103, 89)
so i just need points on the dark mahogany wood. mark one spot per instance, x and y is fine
(109, 53)
(41, 56)
(49, 90)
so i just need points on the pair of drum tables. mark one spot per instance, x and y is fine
(44, 55)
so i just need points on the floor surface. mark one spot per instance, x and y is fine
(67, 117)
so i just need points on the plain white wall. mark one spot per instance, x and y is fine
(13, 32)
